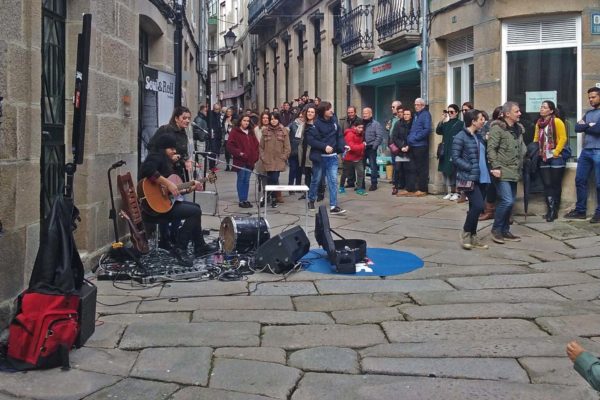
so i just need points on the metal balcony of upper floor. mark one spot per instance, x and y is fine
(263, 13)
(398, 24)
(355, 30)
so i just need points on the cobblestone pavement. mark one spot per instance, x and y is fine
(481, 324)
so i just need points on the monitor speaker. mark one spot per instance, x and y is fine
(280, 253)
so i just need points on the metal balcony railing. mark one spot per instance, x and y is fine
(255, 7)
(394, 16)
(357, 30)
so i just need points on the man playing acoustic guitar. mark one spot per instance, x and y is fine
(154, 172)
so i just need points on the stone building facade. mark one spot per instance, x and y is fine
(38, 45)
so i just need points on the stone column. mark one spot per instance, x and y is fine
(284, 64)
(299, 58)
(328, 63)
(309, 60)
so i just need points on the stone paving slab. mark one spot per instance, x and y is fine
(266, 354)
(104, 361)
(219, 303)
(562, 231)
(117, 304)
(282, 289)
(367, 316)
(553, 370)
(383, 286)
(539, 346)
(326, 359)
(589, 242)
(461, 271)
(583, 291)
(126, 319)
(479, 257)
(581, 264)
(196, 393)
(50, 384)
(370, 387)
(106, 335)
(580, 325)
(548, 279)
(497, 369)
(206, 288)
(213, 334)
(494, 310)
(307, 276)
(186, 365)
(487, 296)
(254, 377)
(303, 336)
(337, 302)
(270, 317)
(421, 331)
(136, 389)
(583, 252)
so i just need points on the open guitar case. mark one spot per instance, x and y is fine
(343, 254)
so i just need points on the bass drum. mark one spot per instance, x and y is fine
(241, 234)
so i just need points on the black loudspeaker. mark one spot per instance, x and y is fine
(280, 253)
(87, 313)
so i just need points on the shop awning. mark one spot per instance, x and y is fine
(233, 93)
(399, 67)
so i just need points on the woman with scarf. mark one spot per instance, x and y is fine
(469, 158)
(296, 133)
(274, 152)
(243, 146)
(551, 135)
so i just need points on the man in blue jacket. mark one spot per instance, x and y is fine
(589, 158)
(326, 142)
(418, 143)
(373, 138)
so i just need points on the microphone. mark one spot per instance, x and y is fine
(205, 153)
(118, 164)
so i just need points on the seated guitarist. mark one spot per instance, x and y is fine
(157, 167)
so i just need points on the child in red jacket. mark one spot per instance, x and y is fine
(353, 157)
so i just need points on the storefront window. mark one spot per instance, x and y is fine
(551, 70)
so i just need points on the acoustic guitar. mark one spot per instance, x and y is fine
(156, 198)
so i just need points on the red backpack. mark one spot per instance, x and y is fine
(43, 331)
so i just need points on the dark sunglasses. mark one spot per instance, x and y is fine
(465, 110)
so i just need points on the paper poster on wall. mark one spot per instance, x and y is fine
(533, 100)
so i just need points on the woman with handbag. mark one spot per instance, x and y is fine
(448, 127)
(274, 152)
(400, 150)
(472, 175)
(551, 135)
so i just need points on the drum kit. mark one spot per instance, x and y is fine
(243, 234)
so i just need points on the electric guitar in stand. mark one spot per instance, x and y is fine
(156, 198)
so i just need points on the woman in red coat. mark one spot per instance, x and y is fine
(243, 146)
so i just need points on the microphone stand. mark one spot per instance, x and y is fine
(258, 175)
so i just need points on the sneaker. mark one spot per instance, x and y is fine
(498, 237)
(373, 188)
(453, 197)
(477, 244)
(595, 219)
(320, 197)
(394, 191)
(510, 237)
(447, 197)
(341, 190)
(361, 192)
(336, 210)
(311, 205)
(303, 197)
(274, 204)
(574, 214)
(465, 240)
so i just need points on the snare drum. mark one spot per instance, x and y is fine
(241, 234)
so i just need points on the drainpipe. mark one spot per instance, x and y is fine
(424, 51)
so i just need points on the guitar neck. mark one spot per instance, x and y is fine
(184, 186)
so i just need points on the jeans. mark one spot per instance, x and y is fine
(506, 192)
(418, 169)
(328, 167)
(476, 197)
(295, 176)
(371, 161)
(400, 173)
(243, 184)
(588, 160)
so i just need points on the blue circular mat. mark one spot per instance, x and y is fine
(381, 262)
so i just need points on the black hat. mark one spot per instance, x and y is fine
(166, 141)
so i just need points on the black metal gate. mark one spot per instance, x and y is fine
(52, 103)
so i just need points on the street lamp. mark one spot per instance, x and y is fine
(229, 39)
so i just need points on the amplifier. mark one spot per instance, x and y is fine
(208, 201)
(87, 313)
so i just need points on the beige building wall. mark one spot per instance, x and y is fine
(111, 120)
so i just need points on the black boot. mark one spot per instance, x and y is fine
(556, 208)
(201, 248)
(551, 208)
(179, 251)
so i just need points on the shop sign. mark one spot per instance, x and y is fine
(533, 100)
(381, 67)
(595, 23)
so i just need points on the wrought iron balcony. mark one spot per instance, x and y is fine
(398, 24)
(261, 13)
(356, 40)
